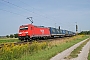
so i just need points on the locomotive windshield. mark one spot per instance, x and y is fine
(24, 28)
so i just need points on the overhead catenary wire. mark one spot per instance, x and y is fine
(44, 15)
(15, 5)
(28, 11)
(12, 12)
(40, 14)
(21, 8)
(32, 8)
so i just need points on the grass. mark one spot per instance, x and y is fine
(53, 50)
(89, 55)
(12, 51)
(6, 40)
(76, 51)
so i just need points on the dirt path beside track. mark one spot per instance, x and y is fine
(67, 52)
(84, 53)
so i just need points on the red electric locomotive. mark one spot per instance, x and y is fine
(29, 32)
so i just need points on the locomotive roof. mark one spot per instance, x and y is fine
(34, 26)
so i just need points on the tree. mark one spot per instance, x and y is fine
(11, 35)
(7, 36)
(16, 35)
(85, 33)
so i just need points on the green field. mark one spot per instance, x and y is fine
(52, 51)
(37, 50)
(7, 40)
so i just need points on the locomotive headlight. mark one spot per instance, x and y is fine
(26, 32)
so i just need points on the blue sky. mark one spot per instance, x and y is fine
(64, 13)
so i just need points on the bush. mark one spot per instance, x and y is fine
(12, 52)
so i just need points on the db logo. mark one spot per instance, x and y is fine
(42, 31)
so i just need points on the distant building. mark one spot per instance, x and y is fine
(2, 36)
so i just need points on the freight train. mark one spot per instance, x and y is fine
(30, 32)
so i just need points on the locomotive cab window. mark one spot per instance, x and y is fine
(24, 28)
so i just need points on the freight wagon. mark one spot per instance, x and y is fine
(56, 32)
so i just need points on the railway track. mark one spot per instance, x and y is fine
(22, 42)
